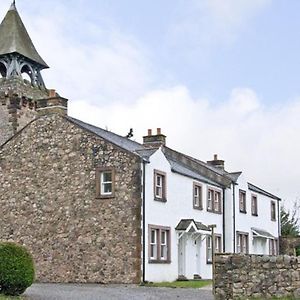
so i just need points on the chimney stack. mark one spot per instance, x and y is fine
(154, 140)
(53, 104)
(217, 163)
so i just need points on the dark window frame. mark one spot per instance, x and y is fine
(200, 195)
(242, 235)
(254, 212)
(99, 172)
(163, 176)
(159, 229)
(273, 210)
(213, 208)
(243, 205)
(217, 237)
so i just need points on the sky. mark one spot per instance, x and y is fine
(218, 76)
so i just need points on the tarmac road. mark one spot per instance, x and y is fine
(113, 292)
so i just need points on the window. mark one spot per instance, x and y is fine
(197, 196)
(273, 247)
(160, 186)
(214, 199)
(159, 244)
(242, 245)
(273, 211)
(105, 181)
(242, 197)
(217, 246)
(254, 205)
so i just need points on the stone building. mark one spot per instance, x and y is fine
(93, 206)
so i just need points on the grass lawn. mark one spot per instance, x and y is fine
(181, 284)
(3, 297)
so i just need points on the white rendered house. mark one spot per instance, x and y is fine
(182, 197)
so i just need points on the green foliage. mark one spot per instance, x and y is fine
(289, 221)
(16, 269)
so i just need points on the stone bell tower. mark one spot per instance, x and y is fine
(21, 83)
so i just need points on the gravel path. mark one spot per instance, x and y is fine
(112, 292)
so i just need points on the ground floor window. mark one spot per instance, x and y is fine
(159, 244)
(273, 247)
(242, 243)
(217, 246)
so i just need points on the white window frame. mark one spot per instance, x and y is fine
(104, 183)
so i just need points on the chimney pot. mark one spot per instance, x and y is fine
(158, 131)
(216, 157)
(149, 132)
(52, 93)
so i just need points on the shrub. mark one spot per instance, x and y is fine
(16, 269)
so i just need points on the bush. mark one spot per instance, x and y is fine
(16, 269)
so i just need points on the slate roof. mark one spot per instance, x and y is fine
(14, 38)
(262, 233)
(185, 223)
(114, 138)
(256, 189)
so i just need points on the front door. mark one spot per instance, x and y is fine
(181, 257)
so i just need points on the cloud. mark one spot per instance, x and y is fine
(204, 25)
(259, 140)
(94, 60)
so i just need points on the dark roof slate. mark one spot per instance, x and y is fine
(114, 138)
(185, 223)
(14, 38)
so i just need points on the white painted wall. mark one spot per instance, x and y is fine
(244, 222)
(179, 206)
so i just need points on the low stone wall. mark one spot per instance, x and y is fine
(239, 276)
(288, 245)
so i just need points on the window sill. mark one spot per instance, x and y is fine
(160, 199)
(254, 215)
(273, 220)
(105, 196)
(157, 261)
(209, 262)
(198, 207)
(215, 212)
(243, 211)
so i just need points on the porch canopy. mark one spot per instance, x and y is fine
(192, 226)
(260, 233)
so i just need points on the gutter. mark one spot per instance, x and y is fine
(279, 225)
(144, 222)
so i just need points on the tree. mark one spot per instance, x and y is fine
(289, 221)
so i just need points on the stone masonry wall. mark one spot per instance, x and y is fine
(288, 245)
(48, 203)
(241, 276)
(15, 113)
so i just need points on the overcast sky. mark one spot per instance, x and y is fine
(218, 76)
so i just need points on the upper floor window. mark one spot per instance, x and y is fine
(242, 243)
(197, 196)
(105, 183)
(214, 200)
(273, 211)
(160, 189)
(159, 244)
(254, 205)
(217, 246)
(242, 201)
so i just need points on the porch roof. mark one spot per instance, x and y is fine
(261, 233)
(185, 223)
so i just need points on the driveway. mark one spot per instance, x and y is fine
(112, 292)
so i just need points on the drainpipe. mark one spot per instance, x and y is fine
(233, 199)
(279, 225)
(144, 221)
(223, 220)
